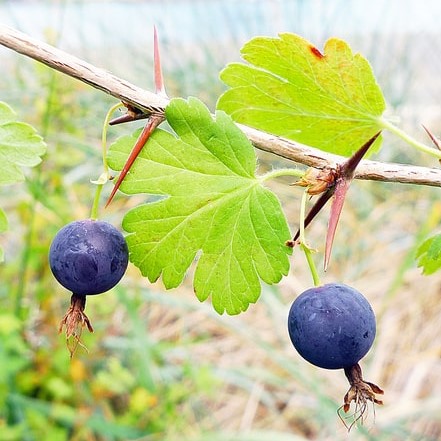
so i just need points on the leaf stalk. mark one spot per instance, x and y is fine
(306, 249)
(409, 139)
(276, 173)
(100, 182)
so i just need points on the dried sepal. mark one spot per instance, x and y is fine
(361, 392)
(74, 321)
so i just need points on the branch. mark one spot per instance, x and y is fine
(366, 169)
(152, 103)
(79, 69)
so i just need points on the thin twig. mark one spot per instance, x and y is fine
(79, 69)
(153, 103)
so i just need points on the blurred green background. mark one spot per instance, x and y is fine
(162, 366)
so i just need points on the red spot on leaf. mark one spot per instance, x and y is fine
(316, 52)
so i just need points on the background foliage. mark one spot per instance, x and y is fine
(161, 365)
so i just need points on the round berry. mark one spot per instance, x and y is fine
(332, 326)
(88, 256)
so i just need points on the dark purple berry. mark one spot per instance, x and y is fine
(332, 326)
(88, 257)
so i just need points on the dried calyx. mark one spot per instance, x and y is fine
(360, 392)
(75, 320)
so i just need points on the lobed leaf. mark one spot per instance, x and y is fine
(3, 228)
(212, 208)
(329, 100)
(20, 146)
(429, 255)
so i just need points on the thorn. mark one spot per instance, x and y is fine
(151, 125)
(315, 209)
(433, 138)
(159, 79)
(346, 175)
(341, 188)
(343, 176)
(348, 167)
(134, 113)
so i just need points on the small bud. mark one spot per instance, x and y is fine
(317, 181)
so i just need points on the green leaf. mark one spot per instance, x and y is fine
(20, 146)
(3, 221)
(328, 100)
(3, 228)
(212, 207)
(429, 255)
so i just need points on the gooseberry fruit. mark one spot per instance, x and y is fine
(87, 257)
(333, 327)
